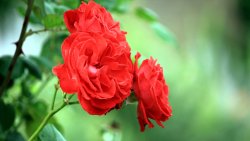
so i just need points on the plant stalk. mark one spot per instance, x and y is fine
(45, 121)
(19, 45)
(54, 97)
(50, 115)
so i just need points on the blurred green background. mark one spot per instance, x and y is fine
(203, 46)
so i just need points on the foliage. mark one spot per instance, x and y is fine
(31, 73)
(199, 114)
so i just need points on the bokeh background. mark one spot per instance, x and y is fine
(203, 46)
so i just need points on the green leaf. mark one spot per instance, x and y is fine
(72, 4)
(11, 82)
(34, 116)
(32, 67)
(33, 19)
(4, 65)
(111, 132)
(51, 49)
(164, 33)
(7, 116)
(146, 14)
(56, 8)
(108, 4)
(39, 9)
(14, 136)
(25, 89)
(119, 6)
(44, 63)
(122, 6)
(52, 20)
(50, 133)
(60, 9)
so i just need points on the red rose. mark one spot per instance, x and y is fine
(151, 92)
(99, 70)
(92, 17)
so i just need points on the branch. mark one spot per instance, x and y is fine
(30, 32)
(19, 45)
(74, 102)
(45, 121)
(49, 116)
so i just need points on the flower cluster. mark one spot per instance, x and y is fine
(98, 67)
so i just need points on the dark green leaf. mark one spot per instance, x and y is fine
(7, 116)
(25, 89)
(164, 33)
(39, 9)
(52, 48)
(21, 11)
(34, 116)
(146, 14)
(11, 82)
(52, 20)
(50, 133)
(72, 4)
(44, 63)
(18, 68)
(14, 136)
(36, 14)
(32, 67)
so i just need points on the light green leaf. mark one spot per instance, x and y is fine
(146, 14)
(52, 20)
(55, 8)
(164, 33)
(50, 133)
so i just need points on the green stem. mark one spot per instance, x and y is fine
(54, 97)
(50, 115)
(43, 85)
(45, 120)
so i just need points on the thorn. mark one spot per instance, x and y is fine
(66, 100)
(21, 52)
(15, 43)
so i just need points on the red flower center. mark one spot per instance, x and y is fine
(92, 70)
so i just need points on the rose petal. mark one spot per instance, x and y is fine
(70, 18)
(86, 105)
(69, 86)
